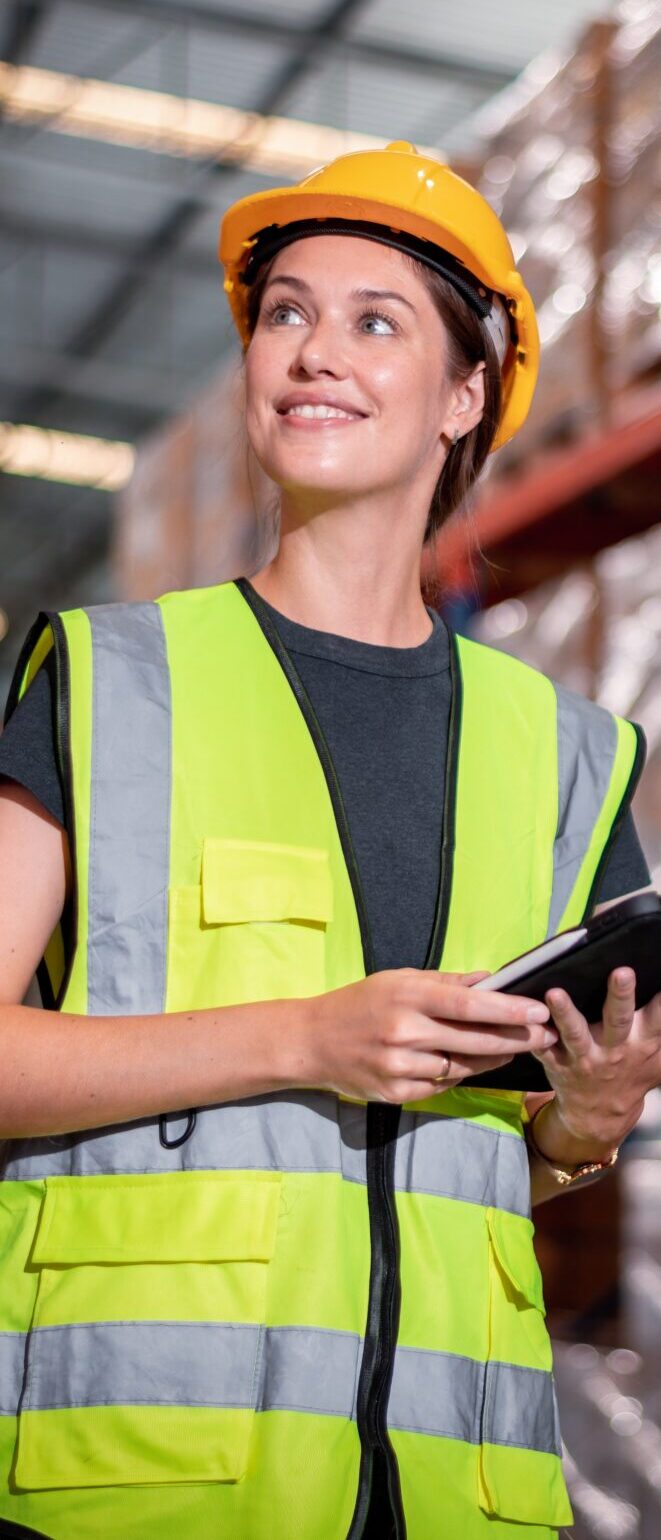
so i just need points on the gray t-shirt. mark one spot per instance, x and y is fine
(384, 712)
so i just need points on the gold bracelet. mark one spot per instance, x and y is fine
(566, 1176)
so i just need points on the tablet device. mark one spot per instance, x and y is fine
(628, 934)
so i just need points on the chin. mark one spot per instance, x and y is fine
(294, 477)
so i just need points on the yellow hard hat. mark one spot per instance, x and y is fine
(412, 202)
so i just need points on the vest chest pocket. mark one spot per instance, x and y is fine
(143, 1358)
(254, 928)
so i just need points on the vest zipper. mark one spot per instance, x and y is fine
(383, 1119)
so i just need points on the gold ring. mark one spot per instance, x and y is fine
(444, 1072)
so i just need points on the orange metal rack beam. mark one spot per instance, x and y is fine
(572, 501)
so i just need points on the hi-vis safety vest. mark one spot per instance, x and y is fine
(221, 1335)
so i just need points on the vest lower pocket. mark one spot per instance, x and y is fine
(143, 1357)
(520, 1469)
(253, 929)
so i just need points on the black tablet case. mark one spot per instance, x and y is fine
(626, 935)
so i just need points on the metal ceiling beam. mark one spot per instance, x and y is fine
(168, 234)
(59, 236)
(230, 21)
(145, 395)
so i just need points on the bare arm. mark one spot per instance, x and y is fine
(62, 1072)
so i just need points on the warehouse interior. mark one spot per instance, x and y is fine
(127, 127)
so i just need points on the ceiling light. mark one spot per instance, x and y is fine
(173, 125)
(76, 458)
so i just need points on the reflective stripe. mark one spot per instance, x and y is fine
(130, 811)
(587, 743)
(283, 1368)
(449, 1396)
(449, 1157)
(315, 1132)
(438, 1393)
(12, 1369)
(520, 1407)
(141, 1363)
(309, 1370)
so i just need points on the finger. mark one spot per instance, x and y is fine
(468, 1065)
(432, 1035)
(557, 1065)
(619, 1007)
(462, 1068)
(573, 1028)
(453, 1001)
(413, 1089)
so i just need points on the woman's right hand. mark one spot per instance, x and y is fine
(386, 1037)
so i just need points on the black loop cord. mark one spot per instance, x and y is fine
(175, 1144)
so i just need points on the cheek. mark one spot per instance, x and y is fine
(263, 378)
(409, 405)
(254, 378)
(401, 382)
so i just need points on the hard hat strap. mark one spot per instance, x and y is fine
(485, 302)
(274, 237)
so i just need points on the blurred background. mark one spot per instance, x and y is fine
(126, 128)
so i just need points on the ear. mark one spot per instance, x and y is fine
(465, 406)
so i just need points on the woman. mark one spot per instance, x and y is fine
(295, 817)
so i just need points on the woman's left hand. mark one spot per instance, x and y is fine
(601, 1074)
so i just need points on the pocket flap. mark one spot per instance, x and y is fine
(183, 1216)
(523, 1485)
(511, 1238)
(249, 880)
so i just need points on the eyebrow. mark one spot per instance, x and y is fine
(370, 294)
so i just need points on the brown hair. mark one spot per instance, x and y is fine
(468, 344)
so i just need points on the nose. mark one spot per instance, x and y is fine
(321, 351)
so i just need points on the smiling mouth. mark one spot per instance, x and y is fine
(306, 412)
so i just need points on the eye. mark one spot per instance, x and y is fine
(280, 309)
(380, 325)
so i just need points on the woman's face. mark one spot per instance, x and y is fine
(346, 371)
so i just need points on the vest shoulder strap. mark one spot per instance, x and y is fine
(599, 759)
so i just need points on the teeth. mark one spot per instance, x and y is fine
(308, 410)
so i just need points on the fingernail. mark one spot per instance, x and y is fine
(537, 1013)
(550, 1038)
(556, 998)
(623, 978)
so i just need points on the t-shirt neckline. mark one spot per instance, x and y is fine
(429, 657)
